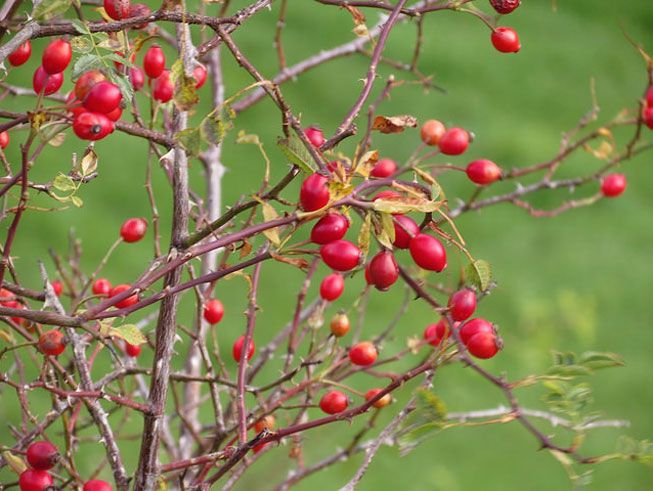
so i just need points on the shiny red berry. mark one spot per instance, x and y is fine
(52, 342)
(101, 286)
(340, 255)
(21, 54)
(334, 402)
(363, 354)
(384, 168)
(649, 96)
(434, 334)
(163, 89)
(405, 229)
(86, 82)
(97, 485)
(454, 141)
(125, 302)
(613, 185)
(56, 56)
(4, 139)
(428, 252)
(383, 270)
(137, 77)
(647, 116)
(48, 84)
(332, 226)
(505, 39)
(133, 229)
(475, 326)
(505, 6)
(462, 304)
(132, 350)
(237, 349)
(35, 480)
(265, 423)
(431, 132)
(154, 61)
(42, 455)
(115, 114)
(339, 325)
(199, 74)
(483, 172)
(332, 287)
(213, 311)
(103, 97)
(92, 126)
(383, 401)
(57, 286)
(117, 9)
(483, 345)
(315, 136)
(314, 193)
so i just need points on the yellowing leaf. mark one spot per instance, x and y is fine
(394, 124)
(15, 462)
(364, 235)
(406, 205)
(128, 332)
(269, 214)
(367, 162)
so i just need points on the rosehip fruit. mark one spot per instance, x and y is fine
(383, 270)
(434, 334)
(483, 345)
(314, 193)
(315, 136)
(613, 185)
(265, 423)
(21, 54)
(332, 226)
(42, 455)
(431, 132)
(381, 402)
(103, 98)
(48, 84)
(213, 311)
(92, 126)
(332, 287)
(405, 229)
(163, 89)
(505, 40)
(237, 350)
(132, 350)
(340, 255)
(56, 56)
(505, 6)
(428, 252)
(4, 140)
(125, 302)
(483, 172)
(101, 286)
(384, 168)
(199, 74)
(73, 106)
(363, 354)
(473, 327)
(454, 141)
(52, 342)
(57, 286)
(462, 304)
(86, 82)
(334, 402)
(649, 96)
(34, 480)
(133, 229)
(137, 77)
(115, 114)
(139, 10)
(339, 325)
(117, 9)
(154, 61)
(647, 117)
(97, 485)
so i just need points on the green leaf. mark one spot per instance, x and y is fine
(295, 150)
(128, 332)
(429, 418)
(64, 183)
(80, 26)
(77, 201)
(123, 83)
(85, 63)
(479, 274)
(213, 129)
(190, 139)
(596, 360)
(81, 44)
(569, 370)
(47, 9)
(185, 95)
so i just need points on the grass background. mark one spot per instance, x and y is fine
(577, 282)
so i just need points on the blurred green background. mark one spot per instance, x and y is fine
(577, 282)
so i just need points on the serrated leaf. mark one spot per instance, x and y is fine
(63, 183)
(15, 462)
(81, 44)
(479, 274)
(213, 129)
(128, 332)
(297, 153)
(394, 124)
(364, 235)
(47, 9)
(596, 360)
(86, 62)
(190, 140)
(80, 26)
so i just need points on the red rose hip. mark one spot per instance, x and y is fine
(213, 311)
(613, 185)
(125, 302)
(340, 255)
(42, 455)
(92, 126)
(473, 327)
(103, 97)
(137, 77)
(383, 401)
(332, 226)
(332, 287)
(86, 82)
(483, 345)
(199, 74)
(462, 304)
(163, 89)
(431, 132)
(428, 252)
(384, 168)
(52, 342)
(383, 270)
(504, 6)
(483, 172)
(101, 286)
(505, 40)
(315, 136)
(434, 334)
(454, 141)
(339, 325)
(117, 9)
(314, 193)
(4, 140)
(48, 84)
(21, 54)
(56, 56)
(363, 354)
(34, 480)
(154, 61)
(237, 350)
(133, 229)
(334, 402)
(97, 485)
(132, 350)
(405, 229)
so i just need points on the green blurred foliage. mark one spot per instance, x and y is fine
(577, 282)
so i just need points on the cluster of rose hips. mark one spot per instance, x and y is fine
(43, 456)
